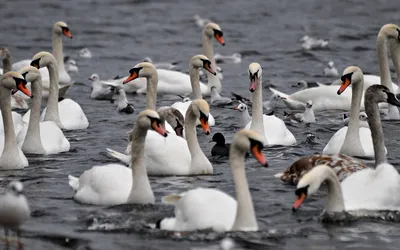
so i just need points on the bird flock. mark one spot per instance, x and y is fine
(351, 184)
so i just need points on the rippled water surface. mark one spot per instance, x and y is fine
(121, 33)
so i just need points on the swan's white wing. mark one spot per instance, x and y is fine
(53, 139)
(335, 143)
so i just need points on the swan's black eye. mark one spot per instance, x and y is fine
(24, 74)
(35, 63)
(347, 76)
(398, 34)
(203, 117)
(303, 190)
(255, 143)
(218, 33)
(253, 76)
(132, 70)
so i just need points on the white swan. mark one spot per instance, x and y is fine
(115, 184)
(40, 137)
(178, 83)
(271, 127)
(196, 63)
(204, 208)
(12, 156)
(371, 189)
(352, 140)
(59, 28)
(67, 114)
(325, 98)
(178, 157)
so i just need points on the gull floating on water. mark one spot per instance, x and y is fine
(331, 70)
(234, 58)
(70, 65)
(309, 43)
(85, 53)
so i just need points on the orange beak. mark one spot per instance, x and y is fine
(260, 157)
(205, 126)
(344, 86)
(132, 77)
(67, 33)
(22, 87)
(158, 128)
(207, 66)
(299, 201)
(220, 39)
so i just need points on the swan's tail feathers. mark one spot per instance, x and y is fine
(278, 93)
(73, 182)
(122, 157)
(171, 199)
(63, 89)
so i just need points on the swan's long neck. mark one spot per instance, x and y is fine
(191, 138)
(384, 70)
(10, 141)
(352, 141)
(58, 50)
(213, 80)
(334, 202)
(257, 116)
(151, 91)
(374, 121)
(395, 53)
(52, 102)
(195, 82)
(7, 66)
(141, 192)
(245, 215)
(33, 133)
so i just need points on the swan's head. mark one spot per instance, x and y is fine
(241, 107)
(143, 69)
(309, 104)
(62, 28)
(351, 75)
(14, 81)
(16, 188)
(201, 61)
(174, 117)
(43, 59)
(379, 93)
(94, 77)
(30, 73)
(255, 73)
(309, 184)
(248, 140)
(391, 31)
(213, 30)
(201, 109)
(149, 119)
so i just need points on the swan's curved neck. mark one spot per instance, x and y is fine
(7, 66)
(352, 141)
(52, 102)
(32, 138)
(395, 53)
(334, 201)
(213, 80)
(151, 91)
(245, 215)
(374, 121)
(195, 82)
(191, 138)
(141, 192)
(257, 116)
(58, 50)
(10, 141)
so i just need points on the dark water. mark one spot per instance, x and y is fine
(120, 34)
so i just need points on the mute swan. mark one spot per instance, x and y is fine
(342, 165)
(59, 28)
(40, 137)
(123, 105)
(306, 117)
(12, 156)
(331, 70)
(245, 118)
(14, 210)
(85, 53)
(325, 98)
(100, 90)
(352, 140)
(204, 208)
(220, 148)
(196, 63)
(271, 127)
(178, 157)
(114, 184)
(67, 114)
(371, 189)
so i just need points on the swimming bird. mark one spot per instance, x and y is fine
(85, 53)
(331, 70)
(220, 148)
